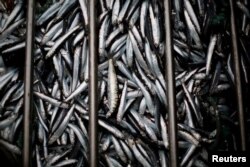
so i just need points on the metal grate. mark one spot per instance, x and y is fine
(28, 85)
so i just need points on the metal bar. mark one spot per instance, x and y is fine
(169, 66)
(28, 82)
(236, 58)
(93, 108)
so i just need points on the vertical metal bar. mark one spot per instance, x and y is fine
(169, 66)
(93, 108)
(236, 58)
(28, 82)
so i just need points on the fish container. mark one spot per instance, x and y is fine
(123, 82)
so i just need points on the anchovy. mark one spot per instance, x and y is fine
(119, 150)
(132, 104)
(112, 162)
(62, 126)
(13, 15)
(49, 13)
(112, 88)
(192, 32)
(143, 16)
(155, 27)
(84, 9)
(51, 100)
(138, 155)
(244, 8)
(60, 41)
(193, 17)
(65, 162)
(10, 29)
(79, 134)
(123, 11)
(66, 6)
(12, 148)
(103, 35)
(134, 18)
(210, 53)
(121, 109)
(115, 11)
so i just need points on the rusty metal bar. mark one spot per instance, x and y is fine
(169, 66)
(237, 74)
(93, 106)
(28, 82)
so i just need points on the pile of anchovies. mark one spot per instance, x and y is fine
(132, 116)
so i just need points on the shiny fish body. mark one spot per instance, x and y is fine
(112, 88)
(132, 104)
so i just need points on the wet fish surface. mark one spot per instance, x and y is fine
(132, 102)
